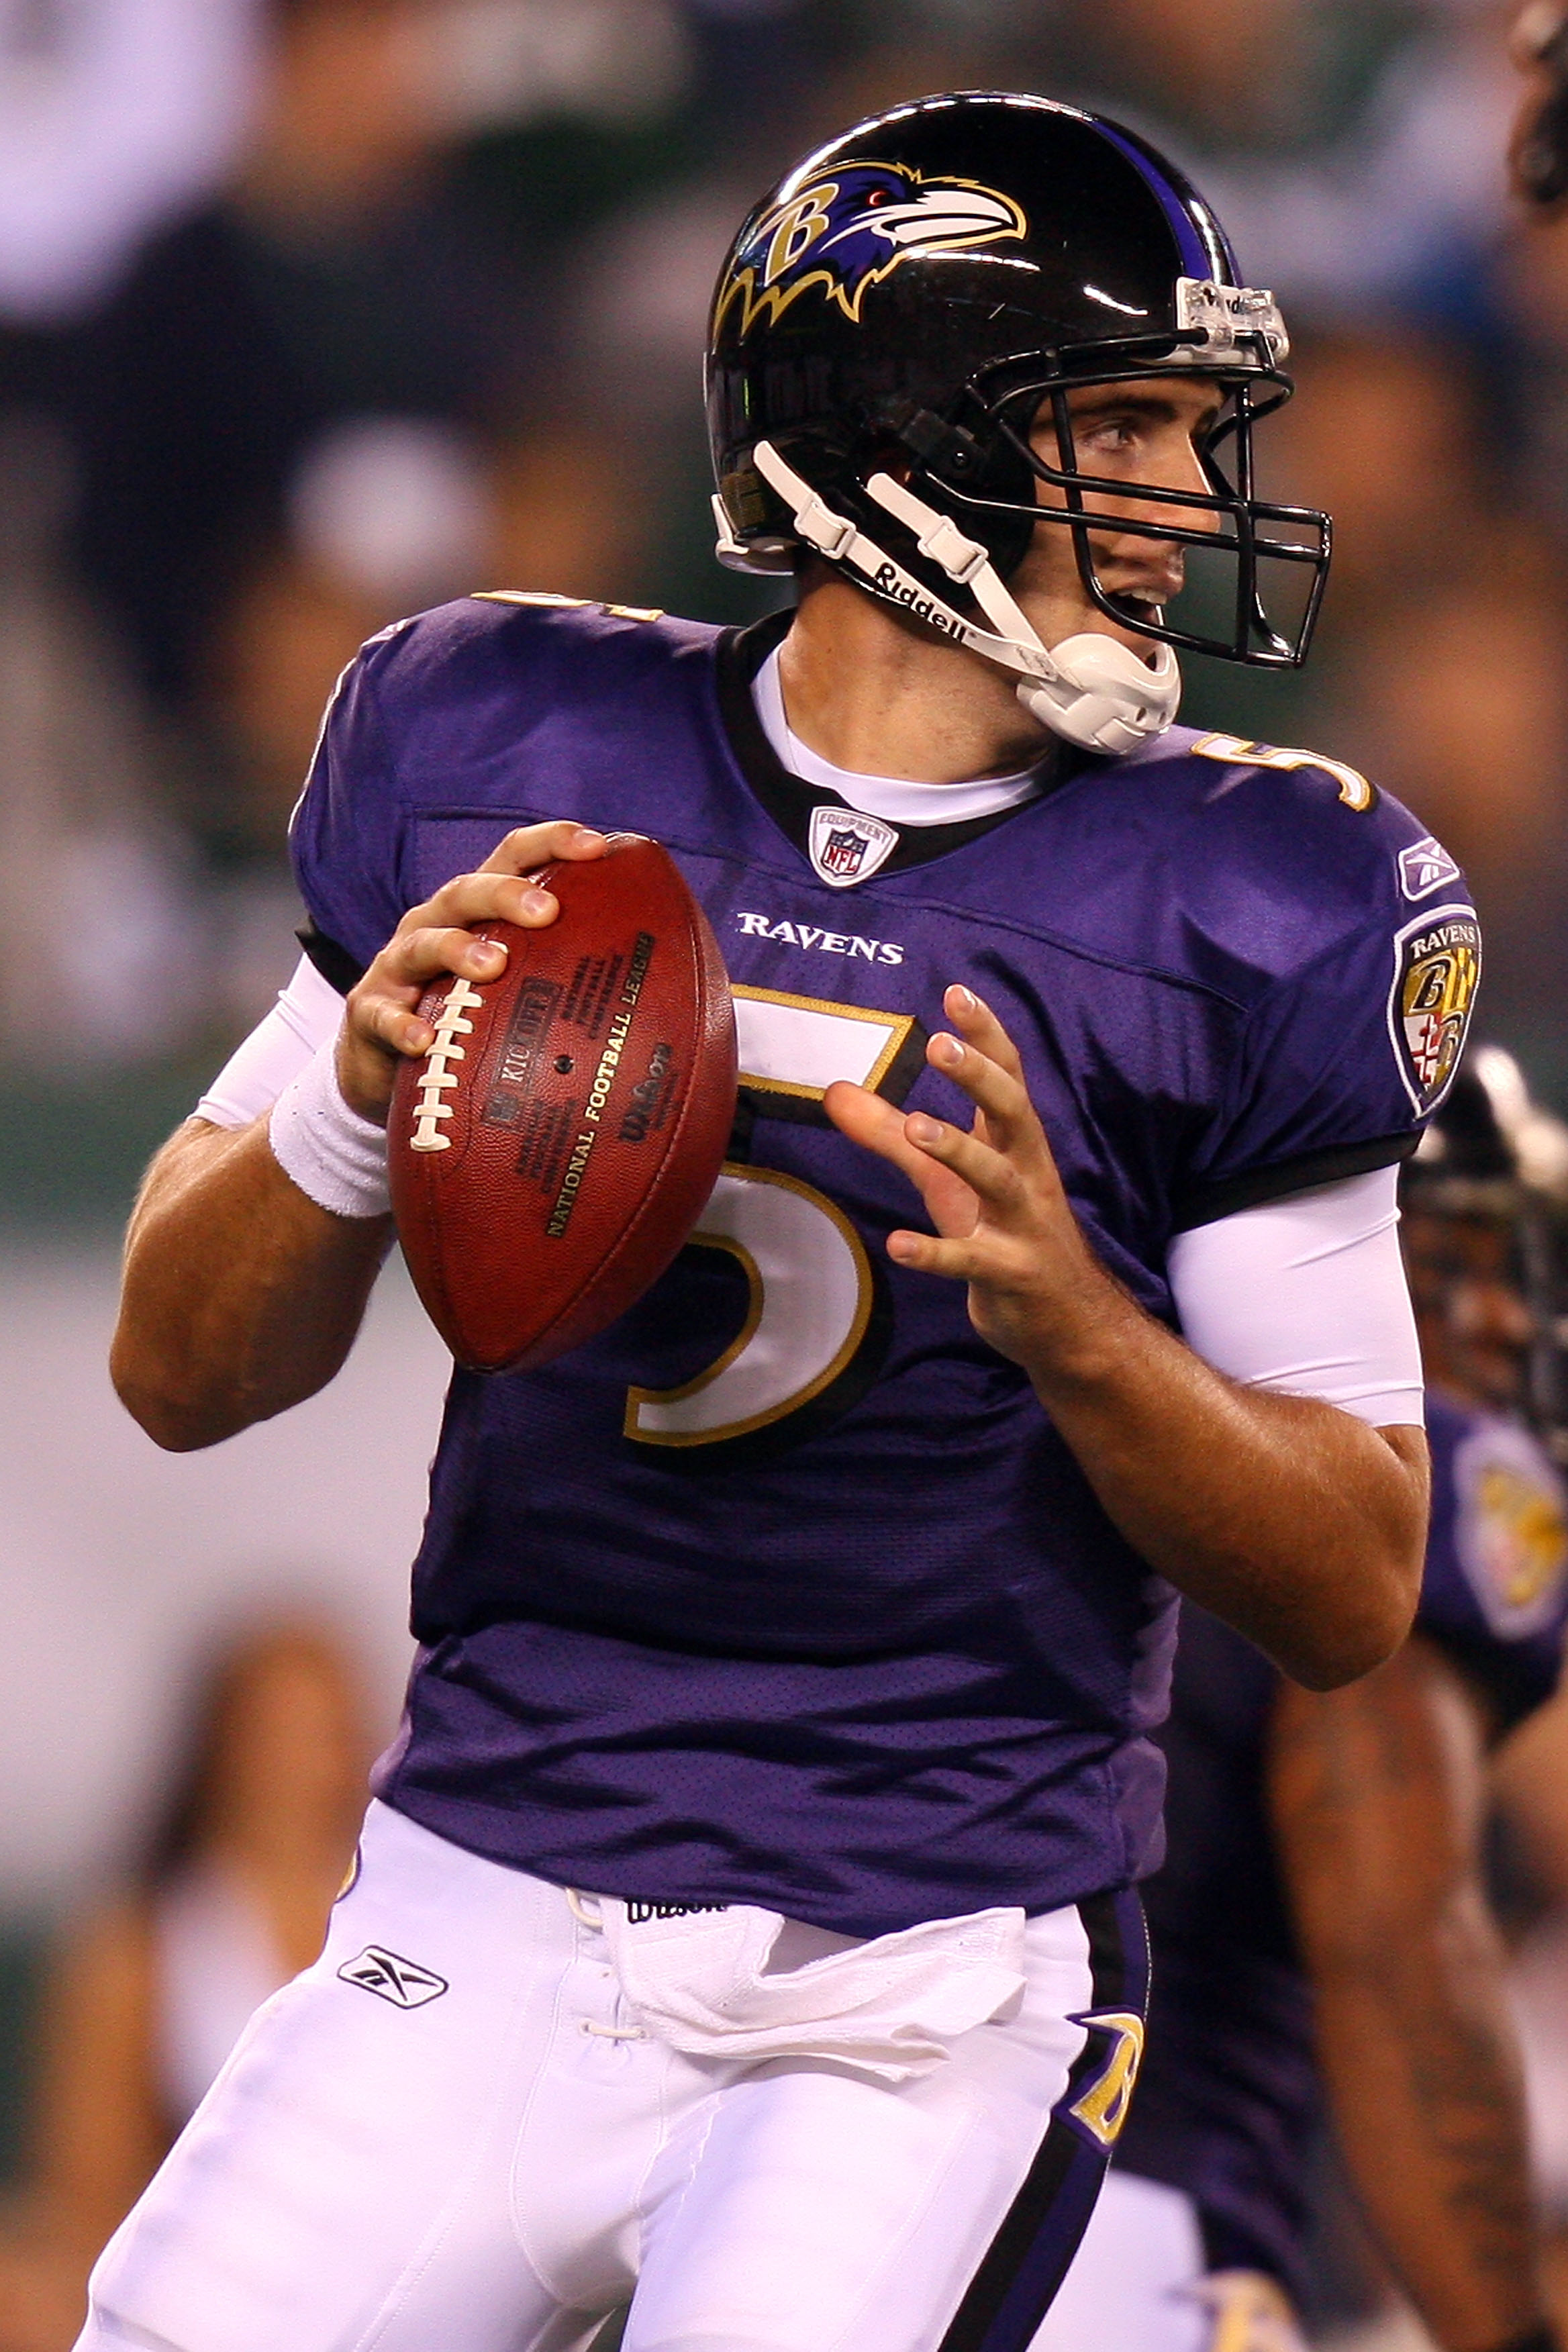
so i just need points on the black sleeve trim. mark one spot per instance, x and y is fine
(1206, 1204)
(335, 963)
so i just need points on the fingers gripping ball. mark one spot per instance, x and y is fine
(553, 1148)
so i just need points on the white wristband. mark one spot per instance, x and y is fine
(334, 1156)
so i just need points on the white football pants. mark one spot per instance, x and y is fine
(447, 2136)
(1138, 2283)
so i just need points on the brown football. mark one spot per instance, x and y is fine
(555, 1146)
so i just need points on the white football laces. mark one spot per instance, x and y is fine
(435, 1079)
(1091, 690)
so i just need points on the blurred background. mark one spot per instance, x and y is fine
(313, 312)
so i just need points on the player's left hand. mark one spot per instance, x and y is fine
(1004, 1223)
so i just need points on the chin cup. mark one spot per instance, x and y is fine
(1105, 698)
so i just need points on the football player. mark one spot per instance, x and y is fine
(1322, 1922)
(1538, 149)
(745, 1913)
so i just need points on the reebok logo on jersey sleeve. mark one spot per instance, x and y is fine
(1424, 867)
(391, 1978)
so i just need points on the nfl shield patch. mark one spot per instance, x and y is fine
(1437, 970)
(847, 848)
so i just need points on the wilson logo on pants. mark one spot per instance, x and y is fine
(386, 1974)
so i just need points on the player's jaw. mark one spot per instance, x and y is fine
(1145, 574)
(1149, 433)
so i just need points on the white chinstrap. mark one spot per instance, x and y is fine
(1091, 690)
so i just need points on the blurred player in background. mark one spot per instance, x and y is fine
(745, 1917)
(1321, 1923)
(1532, 1840)
(149, 1994)
(1539, 149)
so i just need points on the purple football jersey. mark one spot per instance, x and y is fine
(785, 1589)
(1229, 2093)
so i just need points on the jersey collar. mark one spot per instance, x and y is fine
(809, 814)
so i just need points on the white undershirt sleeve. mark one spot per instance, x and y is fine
(307, 1012)
(1308, 1295)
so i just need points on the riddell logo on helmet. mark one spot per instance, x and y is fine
(845, 234)
(889, 582)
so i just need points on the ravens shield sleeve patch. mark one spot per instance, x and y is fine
(1437, 971)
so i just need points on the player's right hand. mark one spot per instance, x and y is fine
(381, 1025)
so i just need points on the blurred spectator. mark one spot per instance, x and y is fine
(338, 280)
(1441, 651)
(1353, 147)
(149, 1993)
(1439, 667)
(326, 398)
(83, 852)
(113, 115)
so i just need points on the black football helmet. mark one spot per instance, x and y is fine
(1490, 1155)
(891, 323)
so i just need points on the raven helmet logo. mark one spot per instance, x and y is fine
(1437, 970)
(847, 230)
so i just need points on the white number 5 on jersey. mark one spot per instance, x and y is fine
(809, 1325)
